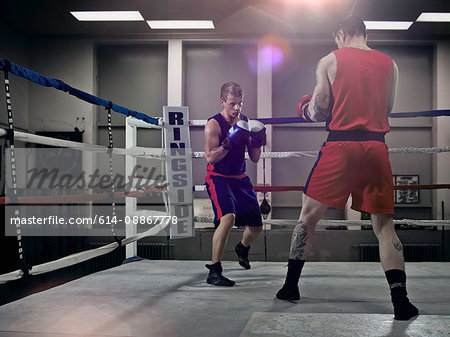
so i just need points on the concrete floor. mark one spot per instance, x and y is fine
(171, 298)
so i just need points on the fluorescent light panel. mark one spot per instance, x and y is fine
(107, 15)
(388, 25)
(180, 24)
(434, 17)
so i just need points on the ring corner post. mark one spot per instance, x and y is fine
(130, 203)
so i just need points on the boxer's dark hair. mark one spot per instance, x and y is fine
(231, 88)
(351, 26)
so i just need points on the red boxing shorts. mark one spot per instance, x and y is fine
(359, 168)
(235, 195)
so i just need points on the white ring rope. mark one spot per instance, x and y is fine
(137, 151)
(159, 153)
(81, 256)
(92, 253)
(289, 154)
(132, 121)
(331, 223)
(198, 122)
(422, 150)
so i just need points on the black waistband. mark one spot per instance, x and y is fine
(355, 135)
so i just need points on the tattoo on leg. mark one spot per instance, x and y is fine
(397, 244)
(298, 241)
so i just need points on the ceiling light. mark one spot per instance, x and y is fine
(388, 25)
(434, 17)
(108, 16)
(180, 24)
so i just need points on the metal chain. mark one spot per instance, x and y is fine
(113, 204)
(23, 266)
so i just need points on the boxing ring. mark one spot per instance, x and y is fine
(171, 298)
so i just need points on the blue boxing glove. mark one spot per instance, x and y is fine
(257, 133)
(237, 134)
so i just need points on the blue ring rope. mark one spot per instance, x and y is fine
(289, 120)
(60, 85)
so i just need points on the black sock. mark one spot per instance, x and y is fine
(397, 284)
(214, 268)
(242, 249)
(294, 270)
(403, 309)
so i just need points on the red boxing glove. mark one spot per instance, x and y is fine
(302, 108)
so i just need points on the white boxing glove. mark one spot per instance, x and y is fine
(257, 133)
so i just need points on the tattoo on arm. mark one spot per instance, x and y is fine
(397, 244)
(298, 241)
(321, 107)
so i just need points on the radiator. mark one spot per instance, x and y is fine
(154, 251)
(150, 251)
(419, 252)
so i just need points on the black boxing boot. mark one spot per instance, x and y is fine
(242, 253)
(215, 276)
(403, 308)
(290, 291)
